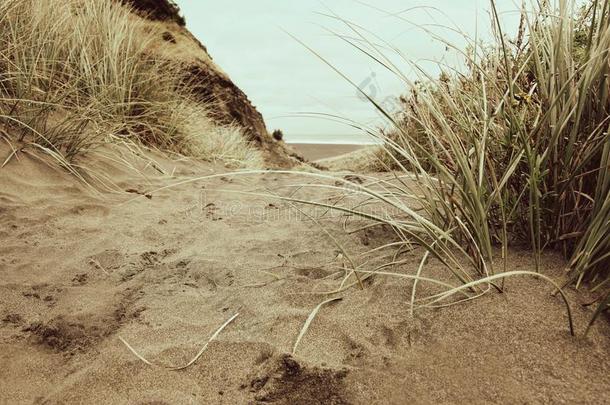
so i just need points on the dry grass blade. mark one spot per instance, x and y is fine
(418, 274)
(190, 363)
(604, 305)
(310, 319)
(447, 294)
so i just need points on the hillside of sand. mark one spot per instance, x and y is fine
(162, 268)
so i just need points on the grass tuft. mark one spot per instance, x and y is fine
(76, 75)
(511, 149)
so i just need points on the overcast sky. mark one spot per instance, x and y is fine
(248, 40)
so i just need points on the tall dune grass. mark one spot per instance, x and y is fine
(518, 145)
(78, 74)
(511, 150)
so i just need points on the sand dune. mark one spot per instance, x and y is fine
(165, 271)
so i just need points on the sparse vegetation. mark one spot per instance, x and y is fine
(513, 150)
(77, 75)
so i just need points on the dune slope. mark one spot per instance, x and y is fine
(211, 85)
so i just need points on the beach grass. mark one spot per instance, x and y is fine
(511, 149)
(78, 75)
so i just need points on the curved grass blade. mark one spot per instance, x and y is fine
(310, 319)
(190, 363)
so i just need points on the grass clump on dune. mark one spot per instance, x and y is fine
(512, 149)
(76, 75)
(516, 148)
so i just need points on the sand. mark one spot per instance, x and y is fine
(164, 269)
(318, 151)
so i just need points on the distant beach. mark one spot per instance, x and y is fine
(323, 146)
(334, 139)
(317, 151)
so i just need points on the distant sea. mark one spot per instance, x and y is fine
(332, 139)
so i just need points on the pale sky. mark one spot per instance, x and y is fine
(284, 80)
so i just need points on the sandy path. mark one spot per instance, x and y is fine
(78, 271)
